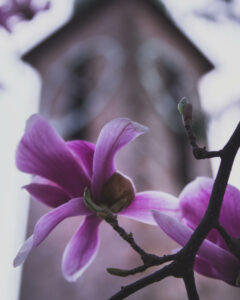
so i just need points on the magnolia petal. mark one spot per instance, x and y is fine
(23, 252)
(230, 211)
(205, 268)
(50, 195)
(84, 152)
(82, 249)
(225, 264)
(194, 200)
(47, 223)
(112, 138)
(140, 208)
(43, 152)
(75, 207)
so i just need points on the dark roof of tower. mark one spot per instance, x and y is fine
(86, 8)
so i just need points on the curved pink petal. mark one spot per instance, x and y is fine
(194, 199)
(23, 252)
(193, 202)
(75, 207)
(225, 264)
(82, 249)
(205, 268)
(43, 152)
(47, 193)
(143, 203)
(230, 211)
(114, 135)
(84, 152)
(47, 223)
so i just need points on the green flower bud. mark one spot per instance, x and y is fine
(185, 109)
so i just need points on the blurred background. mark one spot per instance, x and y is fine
(82, 63)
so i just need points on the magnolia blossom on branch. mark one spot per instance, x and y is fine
(214, 258)
(63, 170)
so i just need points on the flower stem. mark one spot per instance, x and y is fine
(128, 237)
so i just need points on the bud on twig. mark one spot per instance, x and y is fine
(185, 109)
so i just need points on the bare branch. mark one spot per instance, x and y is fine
(153, 261)
(183, 261)
(190, 285)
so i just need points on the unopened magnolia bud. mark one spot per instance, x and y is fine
(117, 193)
(119, 205)
(185, 109)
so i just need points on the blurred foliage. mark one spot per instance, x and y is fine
(220, 10)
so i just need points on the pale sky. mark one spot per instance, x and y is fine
(18, 100)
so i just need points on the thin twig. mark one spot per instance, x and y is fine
(185, 109)
(147, 258)
(128, 237)
(157, 261)
(198, 152)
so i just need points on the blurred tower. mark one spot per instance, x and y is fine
(118, 58)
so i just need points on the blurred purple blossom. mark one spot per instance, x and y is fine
(62, 172)
(21, 9)
(4, 16)
(213, 259)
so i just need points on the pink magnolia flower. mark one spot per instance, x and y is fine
(213, 258)
(62, 172)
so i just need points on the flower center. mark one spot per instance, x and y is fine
(117, 193)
